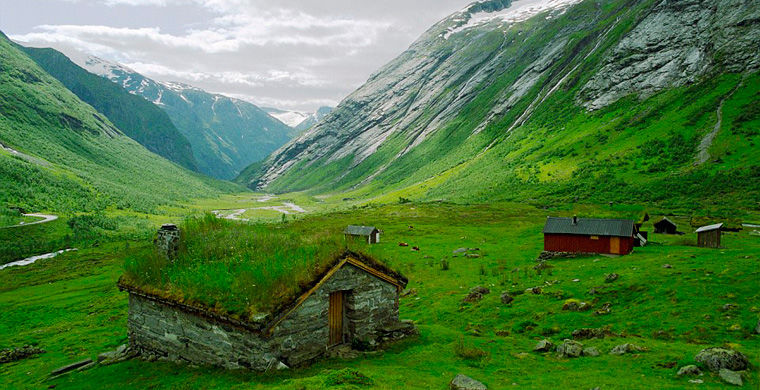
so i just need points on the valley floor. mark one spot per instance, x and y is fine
(70, 307)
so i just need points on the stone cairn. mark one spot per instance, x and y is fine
(167, 240)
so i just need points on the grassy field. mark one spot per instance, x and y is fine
(70, 307)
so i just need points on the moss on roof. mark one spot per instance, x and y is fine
(242, 270)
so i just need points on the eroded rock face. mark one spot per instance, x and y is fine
(717, 358)
(676, 44)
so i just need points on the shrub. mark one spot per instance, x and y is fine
(469, 352)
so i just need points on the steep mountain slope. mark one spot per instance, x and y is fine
(59, 154)
(508, 100)
(226, 134)
(136, 117)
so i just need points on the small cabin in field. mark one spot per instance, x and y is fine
(709, 236)
(665, 226)
(354, 299)
(589, 235)
(369, 233)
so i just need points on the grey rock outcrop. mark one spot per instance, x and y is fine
(591, 351)
(544, 346)
(463, 382)
(626, 348)
(731, 377)
(690, 370)
(716, 358)
(676, 44)
(569, 349)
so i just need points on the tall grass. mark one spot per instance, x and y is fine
(237, 269)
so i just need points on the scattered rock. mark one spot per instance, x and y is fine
(506, 298)
(71, 367)
(715, 358)
(591, 333)
(472, 255)
(627, 348)
(409, 292)
(473, 297)
(534, 290)
(121, 354)
(667, 266)
(592, 291)
(591, 351)
(16, 354)
(575, 305)
(569, 348)
(609, 278)
(463, 382)
(480, 289)
(542, 266)
(757, 328)
(697, 381)
(544, 346)
(502, 333)
(460, 250)
(403, 244)
(729, 307)
(604, 310)
(731, 377)
(690, 370)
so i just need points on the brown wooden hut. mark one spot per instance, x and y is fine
(369, 233)
(709, 236)
(665, 226)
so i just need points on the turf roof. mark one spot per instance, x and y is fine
(242, 271)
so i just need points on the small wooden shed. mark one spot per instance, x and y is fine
(709, 236)
(369, 233)
(665, 226)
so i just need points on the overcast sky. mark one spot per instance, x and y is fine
(290, 54)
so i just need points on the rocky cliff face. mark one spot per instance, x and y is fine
(677, 43)
(486, 70)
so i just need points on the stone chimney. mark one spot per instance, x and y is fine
(575, 219)
(167, 240)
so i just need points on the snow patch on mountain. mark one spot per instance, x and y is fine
(519, 11)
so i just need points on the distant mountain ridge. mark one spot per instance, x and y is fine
(135, 116)
(226, 134)
(299, 121)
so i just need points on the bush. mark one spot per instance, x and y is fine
(469, 352)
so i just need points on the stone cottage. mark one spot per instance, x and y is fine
(354, 301)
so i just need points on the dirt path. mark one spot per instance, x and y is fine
(236, 214)
(45, 219)
(33, 259)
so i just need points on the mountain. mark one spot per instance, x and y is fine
(565, 99)
(226, 134)
(313, 118)
(136, 117)
(57, 153)
(300, 121)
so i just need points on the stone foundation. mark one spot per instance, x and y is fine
(176, 333)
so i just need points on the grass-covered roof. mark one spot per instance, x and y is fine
(242, 270)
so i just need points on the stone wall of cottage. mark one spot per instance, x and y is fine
(166, 331)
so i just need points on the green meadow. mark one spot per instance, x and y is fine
(70, 305)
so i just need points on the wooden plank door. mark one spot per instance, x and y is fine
(615, 245)
(335, 317)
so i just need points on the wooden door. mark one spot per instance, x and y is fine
(615, 245)
(335, 317)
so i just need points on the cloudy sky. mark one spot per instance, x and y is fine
(290, 54)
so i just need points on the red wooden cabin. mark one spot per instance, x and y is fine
(589, 235)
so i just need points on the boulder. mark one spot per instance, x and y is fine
(480, 289)
(731, 377)
(627, 348)
(690, 370)
(757, 328)
(591, 333)
(716, 358)
(609, 278)
(544, 346)
(667, 266)
(463, 382)
(506, 298)
(591, 351)
(575, 305)
(604, 310)
(472, 297)
(570, 349)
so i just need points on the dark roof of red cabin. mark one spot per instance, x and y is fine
(589, 226)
